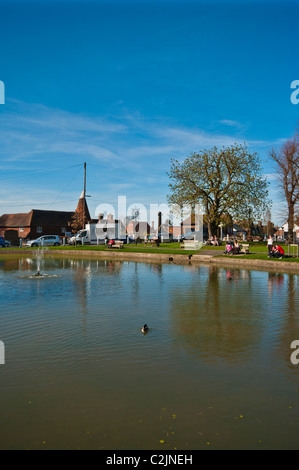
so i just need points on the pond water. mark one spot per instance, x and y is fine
(213, 372)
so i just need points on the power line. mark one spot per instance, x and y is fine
(65, 188)
(36, 171)
(39, 204)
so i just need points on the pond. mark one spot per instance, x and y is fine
(213, 372)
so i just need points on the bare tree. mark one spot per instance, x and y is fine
(267, 220)
(287, 160)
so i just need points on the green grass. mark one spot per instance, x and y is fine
(167, 248)
(257, 250)
(264, 257)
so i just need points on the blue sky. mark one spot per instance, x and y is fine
(126, 86)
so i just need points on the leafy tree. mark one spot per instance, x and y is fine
(226, 181)
(287, 162)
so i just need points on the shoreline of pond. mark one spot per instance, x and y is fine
(196, 258)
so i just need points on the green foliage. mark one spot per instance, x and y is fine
(226, 181)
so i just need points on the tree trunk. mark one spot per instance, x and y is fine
(291, 223)
(210, 229)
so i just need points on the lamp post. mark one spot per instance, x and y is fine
(221, 226)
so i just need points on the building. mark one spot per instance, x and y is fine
(110, 228)
(282, 231)
(137, 229)
(34, 224)
(38, 222)
(82, 209)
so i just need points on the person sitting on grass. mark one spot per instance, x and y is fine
(214, 241)
(277, 252)
(228, 249)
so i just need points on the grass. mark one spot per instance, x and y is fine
(257, 250)
(167, 248)
(264, 257)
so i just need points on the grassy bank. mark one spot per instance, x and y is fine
(257, 250)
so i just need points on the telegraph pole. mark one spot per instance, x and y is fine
(84, 195)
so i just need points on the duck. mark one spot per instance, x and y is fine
(145, 328)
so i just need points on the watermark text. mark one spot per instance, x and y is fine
(295, 355)
(2, 93)
(2, 353)
(295, 94)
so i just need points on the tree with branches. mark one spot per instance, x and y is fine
(226, 181)
(287, 163)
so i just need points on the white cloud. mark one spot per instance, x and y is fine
(126, 152)
(231, 123)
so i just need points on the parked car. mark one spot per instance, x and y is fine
(45, 240)
(2, 242)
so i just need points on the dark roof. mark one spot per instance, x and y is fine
(15, 220)
(36, 217)
(55, 218)
(82, 208)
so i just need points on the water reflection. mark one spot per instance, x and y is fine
(218, 348)
(286, 325)
(217, 315)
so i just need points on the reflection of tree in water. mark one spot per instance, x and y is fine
(85, 273)
(217, 317)
(275, 283)
(158, 270)
(287, 330)
(16, 264)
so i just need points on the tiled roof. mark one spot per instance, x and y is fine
(15, 220)
(55, 218)
(36, 217)
(83, 207)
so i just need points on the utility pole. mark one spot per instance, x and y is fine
(84, 195)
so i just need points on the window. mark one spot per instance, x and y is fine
(39, 229)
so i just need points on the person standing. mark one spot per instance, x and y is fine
(270, 245)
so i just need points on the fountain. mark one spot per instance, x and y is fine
(39, 259)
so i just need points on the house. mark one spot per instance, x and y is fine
(34, 224)
(282, 231)
(110, 228)
(138, 229)
(239, 231)
(38, 222)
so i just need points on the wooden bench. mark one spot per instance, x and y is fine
(244, 248)
(152, 242)
(117, 244)
(190, 244)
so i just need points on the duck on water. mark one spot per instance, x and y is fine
(145, 329)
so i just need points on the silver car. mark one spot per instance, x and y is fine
(45, 240)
